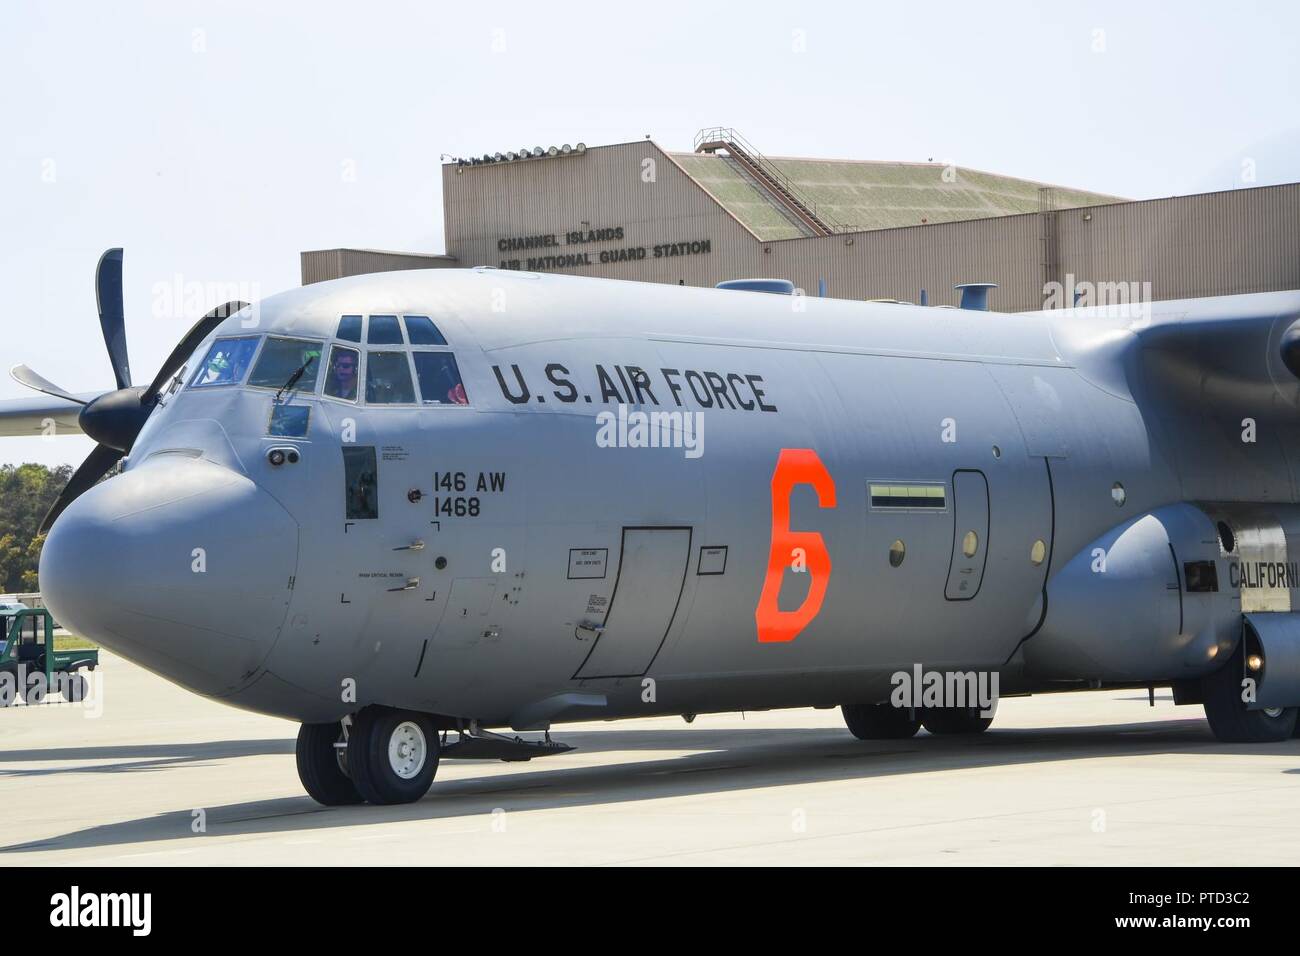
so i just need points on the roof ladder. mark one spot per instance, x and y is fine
(779, 185)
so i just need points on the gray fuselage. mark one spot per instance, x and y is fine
(518, 570)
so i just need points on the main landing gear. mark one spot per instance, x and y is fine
(1229, 718)
(382, 756)
(887, 722)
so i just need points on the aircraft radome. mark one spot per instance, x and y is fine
(408, 509)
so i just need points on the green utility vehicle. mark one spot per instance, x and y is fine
(31, 666)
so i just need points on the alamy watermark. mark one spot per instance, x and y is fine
(82, 688)
(920, 688)
(639, 429)
(178, 297)
(1126, 300)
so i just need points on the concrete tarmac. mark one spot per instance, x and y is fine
(159, 776)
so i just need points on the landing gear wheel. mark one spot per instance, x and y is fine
(322, 766)
(955, 720)
(880, 721)
(1227, 713)
(392, 754)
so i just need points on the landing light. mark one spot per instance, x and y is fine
(1255, 662)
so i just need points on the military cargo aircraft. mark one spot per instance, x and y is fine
(415, 509)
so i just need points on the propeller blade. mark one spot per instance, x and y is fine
(25, 376)
(96, 466)
(112, 320)
(202, 329)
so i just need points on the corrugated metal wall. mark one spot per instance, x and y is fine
(1245, 240)
(636, 186)
(1213, 244)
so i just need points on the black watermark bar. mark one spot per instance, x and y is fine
(232, 904)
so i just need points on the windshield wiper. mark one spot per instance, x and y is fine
(294, 378)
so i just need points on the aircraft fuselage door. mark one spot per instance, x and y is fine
(970, 534)
(651, 573)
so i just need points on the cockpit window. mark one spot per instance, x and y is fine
(280, 358)
(440, 382)
(289, 421)
(349, 328)
(226, 362)
(384, 330)
(388, 378)
(344, 373)
(421, 331)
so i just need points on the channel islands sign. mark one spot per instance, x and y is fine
(551, 251)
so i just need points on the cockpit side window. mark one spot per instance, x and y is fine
(384, 330)
(440, 382)
(349, 328)
(361, 482)
(344, 373)
(226, 362)
(279, 360)
(420, 330)
(388, 379)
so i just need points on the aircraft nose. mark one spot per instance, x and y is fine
(179, 564)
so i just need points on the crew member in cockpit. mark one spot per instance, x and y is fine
(342, 379)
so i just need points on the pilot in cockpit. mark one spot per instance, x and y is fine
(342, 379)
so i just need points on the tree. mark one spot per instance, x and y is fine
(26, 493)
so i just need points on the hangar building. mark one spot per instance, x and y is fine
(861, 229)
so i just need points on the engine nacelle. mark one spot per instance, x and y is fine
(1148, 600)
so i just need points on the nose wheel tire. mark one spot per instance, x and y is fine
(322, 767)
(880, 721)
(955, 720)
(1229, 718)
(392, 755)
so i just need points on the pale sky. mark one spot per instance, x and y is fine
(215, 141)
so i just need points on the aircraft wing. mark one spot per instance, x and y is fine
(1238, 353)
(31, 417)
(1235, 352)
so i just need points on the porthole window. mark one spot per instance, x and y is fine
(970, 543)
(1038, 552)
(897, 552)
(1118, 494)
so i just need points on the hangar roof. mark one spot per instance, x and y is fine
(856, 195)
